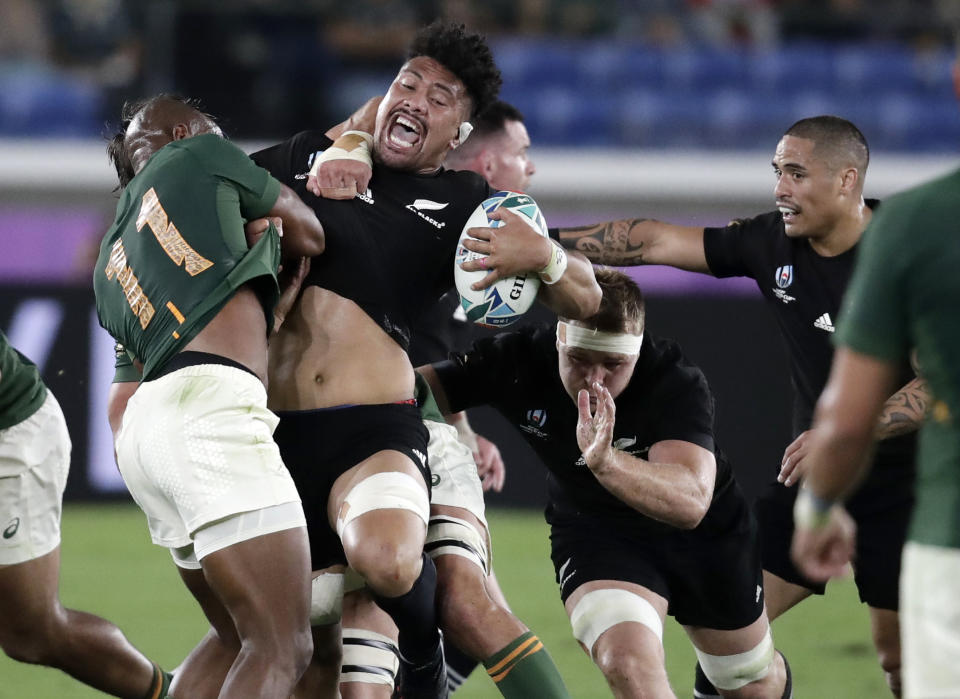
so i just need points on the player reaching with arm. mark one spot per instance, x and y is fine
(644, 512)
(498, 150)
(179, 288)
(340, 376)
(801, 256)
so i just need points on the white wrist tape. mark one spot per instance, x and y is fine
(351, 145)
(811, 511)
(556, 266)
(598, 340)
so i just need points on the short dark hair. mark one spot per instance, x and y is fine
(622, 308)
(463, 53)
(494, 118)
(834, 139)
(116, 143)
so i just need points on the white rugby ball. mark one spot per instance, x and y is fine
(510, 297)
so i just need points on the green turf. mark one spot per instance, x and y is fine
(110, 568)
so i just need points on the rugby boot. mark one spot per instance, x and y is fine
(427, 681)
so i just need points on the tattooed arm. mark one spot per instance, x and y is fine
(639, 241)
(904, 410)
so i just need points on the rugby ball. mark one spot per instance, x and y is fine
(510, 297)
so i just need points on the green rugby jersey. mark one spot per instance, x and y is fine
(21, 390)
(429, 410)
(904, 295)
(176, 251)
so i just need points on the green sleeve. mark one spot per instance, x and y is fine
(124, 369)
(873, 318)
(256, 188)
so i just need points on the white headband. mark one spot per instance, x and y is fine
(599, 340)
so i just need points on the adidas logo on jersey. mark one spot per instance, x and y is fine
(824, 323)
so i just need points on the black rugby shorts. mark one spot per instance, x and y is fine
(881, 508)
(712, 581)
(318, 446)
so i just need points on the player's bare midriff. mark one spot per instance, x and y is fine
(237, 332)
(330, 352)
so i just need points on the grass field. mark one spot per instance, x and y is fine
(110, 568)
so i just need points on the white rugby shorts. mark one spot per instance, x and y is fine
(34, 462)
(196, 446)
(930, 621)
(453, 471)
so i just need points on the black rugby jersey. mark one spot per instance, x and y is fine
(805, 291)
(667, 398)
(390, 250)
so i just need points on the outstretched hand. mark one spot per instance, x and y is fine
(595, 432)
(513, 248)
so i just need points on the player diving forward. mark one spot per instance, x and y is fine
(645, 516)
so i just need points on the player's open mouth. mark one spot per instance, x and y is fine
(404, 132)
(789, 213)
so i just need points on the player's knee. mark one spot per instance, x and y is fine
(34, 640)
(623, 665)
(390, 567)
(301, 651)
(465, 608)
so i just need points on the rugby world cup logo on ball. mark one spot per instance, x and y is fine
(508, 298)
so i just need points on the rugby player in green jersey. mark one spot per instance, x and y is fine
(180, 287)
(34, 626)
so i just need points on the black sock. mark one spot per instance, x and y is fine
(702, 687)
(459, 665)
(415, 615)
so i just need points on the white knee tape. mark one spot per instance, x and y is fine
(736, 671)
(384, 491)
(448, 535)
(600, 610)
(369, 657)
(326, 599)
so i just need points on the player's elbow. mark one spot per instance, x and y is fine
(696, 507)
(583, 303)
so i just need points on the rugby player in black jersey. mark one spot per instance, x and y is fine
(801, 256)
(340, 377)
(646, 518)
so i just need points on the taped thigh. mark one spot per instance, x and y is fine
(600, 610)
(326, 599)
(448, 535)
(369, 657)
(736, 671)
(384, 491)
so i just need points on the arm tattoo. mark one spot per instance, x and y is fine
(606, 243)
(904, 410)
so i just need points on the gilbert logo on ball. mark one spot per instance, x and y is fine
(510, 297)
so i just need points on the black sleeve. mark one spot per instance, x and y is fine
(482, 374)
(739, 249)
(292, 157)
(686, 407)
(687, 413)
